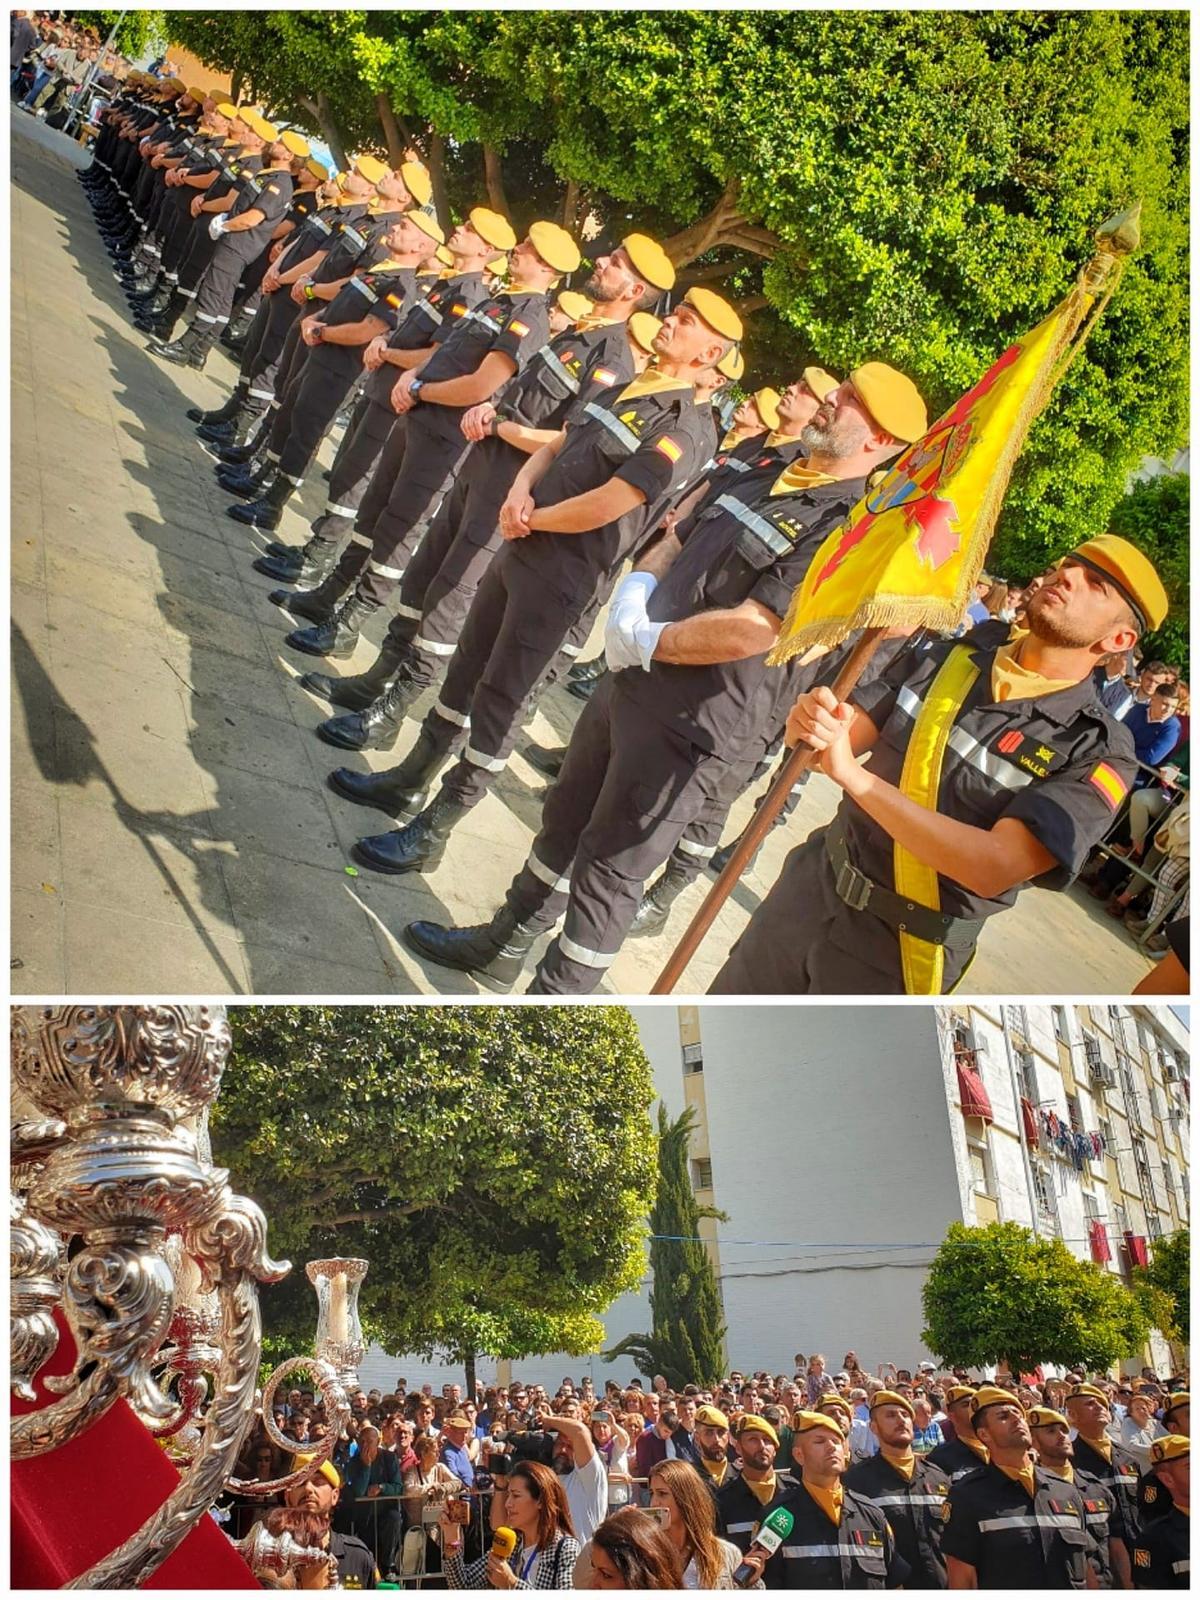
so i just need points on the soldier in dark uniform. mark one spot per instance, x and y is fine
(1051, 1435)
(573, 515)
(578, 367)
(1162, 1549)
(909, 1490)
(308, 177)
(319, 1496)
(336, 337)
(711, 1438)
(1152, 1501)
(241, 235)
(839, 1538)
(964, 1452)
(1112, 1466)
(149, 122)
(1011, 1524)
(688, 635)
(162, 149)
(364, 470)
(484, 353)
(1033, 771)
(753, 1493)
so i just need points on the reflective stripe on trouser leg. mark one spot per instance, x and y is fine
(653, 785)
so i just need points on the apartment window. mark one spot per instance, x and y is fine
(1027, 1071)
(1043, 1188)
(1061, 1030)
(1074, 1115)
(1153, 1226)
(1106, 1133)
(702, 1174)
(1123, 1220)
(693, 1058)
(1091, 1207)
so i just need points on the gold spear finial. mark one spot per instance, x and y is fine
(1122, 234)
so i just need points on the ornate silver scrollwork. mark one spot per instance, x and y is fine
(278, 1555)
(35, 1262)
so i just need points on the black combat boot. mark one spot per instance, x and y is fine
(376, 727)
(315, 605)
(418, 847)
(265, 512)
(583, 670)
(308, 564)
(546, 761)
(189, 350)
(493, 952)
(225, 413)
(585, 688)
(399, 791)
(338, 637)
(236, 455)
(651, 915)
(249, 482)
(165, 322)
(360, 691)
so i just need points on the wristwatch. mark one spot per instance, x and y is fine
(414, 388)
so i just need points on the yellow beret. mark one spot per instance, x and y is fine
(444, 256)
(1175, 1401)
(295, 142)
(767, 401)
(225, 109)
(650, 261)
(643, 326)
(492, 228)
(198, 95)
(498, 265)
(574, 305)
(318, 170)
(370, 168)
(990, 1395)
(1173, 1448)
(417, 181)
(1087, 1391)
(267, 131)
(732, 364)
(889, 1397)
(821, 383)
(711, 1417)
(1044, 1417)
(326, 1470)
(806, 1421)
(1125, 566)
(555, 246)
(959, 1391)
(427, 224)
(835, 1402)
(750, 1422)
(716, 311)
(892, 399)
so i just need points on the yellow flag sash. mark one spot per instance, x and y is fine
(920, 780)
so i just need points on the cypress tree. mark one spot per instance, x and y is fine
(686, 1343)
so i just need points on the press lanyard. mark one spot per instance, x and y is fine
(527, 1566)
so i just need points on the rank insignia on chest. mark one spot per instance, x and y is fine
(1027, 753)
(634, 422)
(789, 527)
(1141, 1558)
(1095, 1506)
(667, 447)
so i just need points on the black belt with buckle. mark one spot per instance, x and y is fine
(861, 893)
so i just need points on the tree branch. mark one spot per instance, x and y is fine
(437, 173)
(409, 1210)
(494, 181)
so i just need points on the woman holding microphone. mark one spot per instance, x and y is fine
(530, 1504)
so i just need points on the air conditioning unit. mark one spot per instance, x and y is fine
(981, 1046)
(1097, 1068)
(1169, 1066)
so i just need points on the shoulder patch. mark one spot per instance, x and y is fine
(458, 309)
(1141, 1558)
(666, 446)
(1112, 788)
(946, 1511)
(604, 376)
(1150, 1494)
(519, 328)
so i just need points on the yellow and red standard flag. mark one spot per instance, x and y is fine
(912, 549)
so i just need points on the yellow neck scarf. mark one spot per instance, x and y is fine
(904, 1461)
(716, 1470)
(733, 438)
(777, 437)
(829, 1500)
(1102, 1446)
(764, 1490)
(974, 1444)
(652, 381)
(519, 288)
(798, 476)
(593, 321)
(1066, 1471)
(1023, 1475)
(1012, 681)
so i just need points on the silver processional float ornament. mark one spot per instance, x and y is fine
(110, 1153)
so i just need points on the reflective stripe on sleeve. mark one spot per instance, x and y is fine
(766, 531)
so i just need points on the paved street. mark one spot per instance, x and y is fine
(171, 828)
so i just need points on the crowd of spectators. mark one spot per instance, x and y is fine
(612, 1484)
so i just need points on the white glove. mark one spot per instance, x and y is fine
(645, 641)
(217, 226)
(619, 649)
(631, 599)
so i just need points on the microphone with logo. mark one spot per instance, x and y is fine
(773, 1531)
(504, 1542)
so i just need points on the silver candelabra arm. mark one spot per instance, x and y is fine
(337, 1414)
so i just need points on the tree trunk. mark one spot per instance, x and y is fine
(469, 1370)
(437, 174)
(392, 136)
(722, 227)
(570, 211)
(320, 110)
(235, 85)
(494, 181)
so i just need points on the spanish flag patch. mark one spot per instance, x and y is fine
(1110, 784)
(667, 447)
(394, 300)
(458, 309)
(518, 328)
(604, 376)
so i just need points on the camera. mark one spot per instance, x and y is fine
(531, 1444)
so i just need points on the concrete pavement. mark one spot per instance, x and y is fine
(171, 828)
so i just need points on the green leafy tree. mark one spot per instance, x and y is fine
(998, 1294)
(139, 34)
(1156, 516)
(1168, 1278)
(493, 1163)
(687, 1338)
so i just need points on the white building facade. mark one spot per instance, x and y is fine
(842, 1142)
